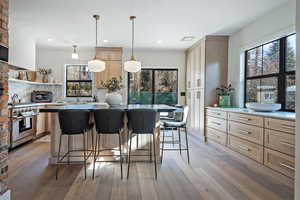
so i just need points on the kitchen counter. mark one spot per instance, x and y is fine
(277, 114)
(94, 106)
(106, 141)
(31, 104)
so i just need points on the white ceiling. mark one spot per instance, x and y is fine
(70, 21)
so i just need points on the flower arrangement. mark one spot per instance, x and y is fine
(44, 71)
(113, 84)
(224, 90)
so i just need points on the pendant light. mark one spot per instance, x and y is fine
(96, 65)
(132, 65)
(75, 54)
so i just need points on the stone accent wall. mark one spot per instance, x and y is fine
(4, 128)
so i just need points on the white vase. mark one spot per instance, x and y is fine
(113, 98)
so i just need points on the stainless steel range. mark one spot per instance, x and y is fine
(22, 123)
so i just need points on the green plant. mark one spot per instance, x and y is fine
(113, 84)
(224, 90)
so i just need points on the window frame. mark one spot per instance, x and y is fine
(281, 75)
(153, 82)
(77, 81)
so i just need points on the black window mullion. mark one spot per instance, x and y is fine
(281, 76)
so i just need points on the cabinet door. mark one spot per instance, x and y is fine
(41, 123)
(188, 70)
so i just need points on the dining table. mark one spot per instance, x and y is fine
(140, 142)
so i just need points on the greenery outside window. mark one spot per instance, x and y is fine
(153, 86)
(78, 81)
(270, 73)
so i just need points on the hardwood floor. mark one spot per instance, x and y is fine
(214, 173)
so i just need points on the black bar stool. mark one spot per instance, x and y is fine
(74, 122)
(142, 121)
(177, 125)
(108, 121)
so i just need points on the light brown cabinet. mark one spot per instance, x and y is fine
(112, 56)
(267, 140)
(206, 69)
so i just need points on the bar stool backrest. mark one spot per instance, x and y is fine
(109, 120)
(142, 120)
(73, 121)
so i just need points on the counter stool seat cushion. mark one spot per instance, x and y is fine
(173, 124)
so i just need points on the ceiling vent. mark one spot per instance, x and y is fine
(187, 38)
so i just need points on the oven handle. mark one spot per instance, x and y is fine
(23, 117)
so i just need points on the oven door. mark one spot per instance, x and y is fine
(23, 130)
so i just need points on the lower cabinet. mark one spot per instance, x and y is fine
(269, 141)
(280, 162)
(246, 148)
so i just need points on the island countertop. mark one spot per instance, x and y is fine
(277, 114)
(91, 107)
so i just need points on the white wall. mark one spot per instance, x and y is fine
(297, 182)
(274, 25)
(56, 59)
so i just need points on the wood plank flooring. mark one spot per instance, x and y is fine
(215, 173)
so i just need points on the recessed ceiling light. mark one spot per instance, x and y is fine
(50, 39)
(188, 38)
(159, 41)
(105, 41)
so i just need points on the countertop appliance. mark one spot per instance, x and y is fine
(3, 53)
(22, 124)
(38, 96)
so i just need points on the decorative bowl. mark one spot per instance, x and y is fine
(264, 107)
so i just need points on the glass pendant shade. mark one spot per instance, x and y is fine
(96, 65)
(75, 56)
(132, 66)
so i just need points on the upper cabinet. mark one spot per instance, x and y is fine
(112, 56)
(207, 63)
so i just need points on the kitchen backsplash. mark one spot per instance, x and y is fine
(24, 89)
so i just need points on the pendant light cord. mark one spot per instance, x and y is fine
(96, 32)
(132, 42)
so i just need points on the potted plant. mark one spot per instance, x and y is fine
(224, 93)
(113, 97)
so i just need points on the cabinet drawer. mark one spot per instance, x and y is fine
(216, 113)
(280, 125)
(246, 148)
(280, 141)
(216, 136)
(280, 162)
(217, 123)
(246, 119)
(251, 133)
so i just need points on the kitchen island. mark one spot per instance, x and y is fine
(108, 141)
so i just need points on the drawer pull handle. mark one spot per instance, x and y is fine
(287, 144)
(216, 123)
(287, 166)
(287, 126)
(244, 132)
(244, 148)
(244, 119)
(216, 113)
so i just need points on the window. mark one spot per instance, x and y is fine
(78, 81)
(270, 73)
(153, 86)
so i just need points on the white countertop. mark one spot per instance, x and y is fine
(278, 114)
